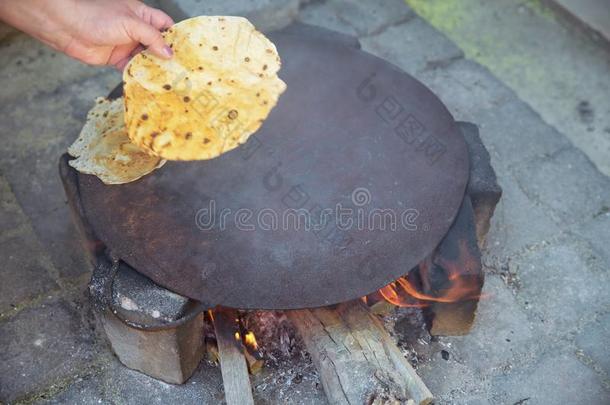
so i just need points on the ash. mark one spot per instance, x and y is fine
(289, 376)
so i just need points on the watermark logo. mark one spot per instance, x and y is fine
(361, 196)
(294, 216)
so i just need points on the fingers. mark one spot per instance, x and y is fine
(122, 58)
(148, 36)
(157, 18)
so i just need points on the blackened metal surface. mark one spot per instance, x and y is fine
(352, 132)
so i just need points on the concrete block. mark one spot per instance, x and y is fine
(266, 15)
(482, 188)
(456, 261)
(153, 330)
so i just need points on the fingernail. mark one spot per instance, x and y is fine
(167, 51)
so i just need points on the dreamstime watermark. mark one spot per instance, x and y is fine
(356, 216)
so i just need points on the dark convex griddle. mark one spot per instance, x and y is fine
(351, 129)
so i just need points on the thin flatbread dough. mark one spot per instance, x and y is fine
(217, 90)
(103, 148)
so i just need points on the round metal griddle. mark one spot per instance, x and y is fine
(351, 131)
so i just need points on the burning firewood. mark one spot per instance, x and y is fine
(233, 363)
(357, 359)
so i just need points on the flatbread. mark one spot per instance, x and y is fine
(103, 148)
(217, 90)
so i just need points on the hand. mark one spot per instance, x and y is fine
(96, 32)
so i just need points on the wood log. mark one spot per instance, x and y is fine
(357, 359)
(233, 365)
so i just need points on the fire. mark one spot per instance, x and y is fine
(461, 283)
(250, 340)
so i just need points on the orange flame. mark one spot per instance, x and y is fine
(463, 283)
(250, 341)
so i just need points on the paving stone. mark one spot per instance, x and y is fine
(6, 30)
(266, 15)
(42, 346)
(554, 379)
(502, 336)
(510, 129)
(563, 75)
(592, 340)
(28, 67)
(11, 215)
(567, 184)
(450, 381)
(413, 46)
(597, 233)
(35, 134)
(25, 272)
(117, 384)
(517, 224)
(323, 14)
(371, 16)
(593, 15)
(559, 289)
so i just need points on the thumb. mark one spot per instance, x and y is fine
(150, 37)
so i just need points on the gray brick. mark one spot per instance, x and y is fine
(558, 288)
(559, 379)
(517, 223)
(323, 14)
(36, 133)
(42, 346)
(593, 341)
(266, 15)
(413, 46)
(597, 233)
(371, 16)
(567, 184)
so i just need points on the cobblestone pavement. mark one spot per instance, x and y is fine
(541, 333)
